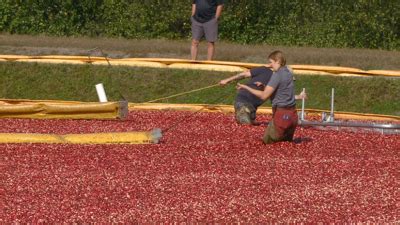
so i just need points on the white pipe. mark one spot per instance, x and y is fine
(350, 124)
(101, 93)
(303, 101)
(332, 105)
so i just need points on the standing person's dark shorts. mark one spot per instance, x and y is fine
(205, 15)
(208, 29)
(282, 126)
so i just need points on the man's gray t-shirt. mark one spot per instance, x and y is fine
(282, 82)
(206, 9)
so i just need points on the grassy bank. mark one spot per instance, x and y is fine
(76, 82)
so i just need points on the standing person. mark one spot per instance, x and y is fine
(246, 103)
(280, 90)
(205, 15)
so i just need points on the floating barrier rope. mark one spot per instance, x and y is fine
(196, 111)
(192, 114)
(183, 93)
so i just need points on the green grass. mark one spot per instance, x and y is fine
(77, 83)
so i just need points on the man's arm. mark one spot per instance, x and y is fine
(268, 90)
(239, 76)
(263, 95)
(219, 11)
(193, 9)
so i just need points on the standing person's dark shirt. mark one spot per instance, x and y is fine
(260, 74)
(206, 9)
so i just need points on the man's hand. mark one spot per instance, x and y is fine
(259, 84)
(223, 82)
(240, 86)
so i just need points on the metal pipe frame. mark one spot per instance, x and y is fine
(305, 123)
(330, 122)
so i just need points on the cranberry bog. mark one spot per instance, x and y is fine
(206, 168)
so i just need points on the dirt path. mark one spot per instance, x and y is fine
(122, 48)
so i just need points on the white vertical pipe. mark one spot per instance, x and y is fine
(303, 101)
(332, 104)
(101, 93)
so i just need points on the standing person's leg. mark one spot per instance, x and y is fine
(211, 33)
(210, 50)
(197, 34)
(194, 49)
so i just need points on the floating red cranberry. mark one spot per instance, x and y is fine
(206, 168)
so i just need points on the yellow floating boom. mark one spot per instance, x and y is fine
(261, 110)
(62, 109)
(152, 137)
(196, 65)
(18, 108)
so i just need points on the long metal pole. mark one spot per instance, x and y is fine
(332, 118)
(303, 102)
(349, 124)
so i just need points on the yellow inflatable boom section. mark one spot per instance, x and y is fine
(36, 109)
(261, 110)
(62, 110)
(196, 65)
(92, 138)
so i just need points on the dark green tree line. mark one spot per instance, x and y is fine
(319, 23)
